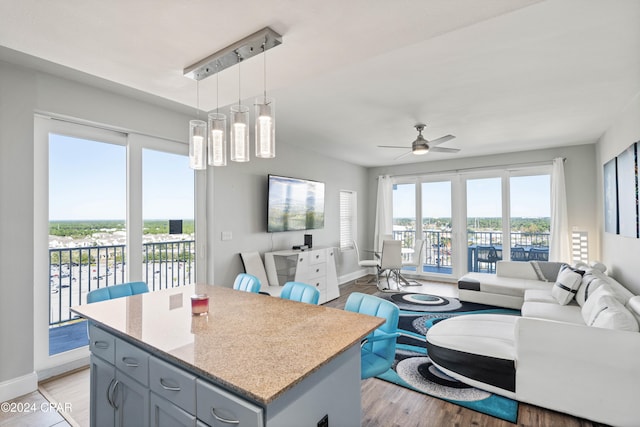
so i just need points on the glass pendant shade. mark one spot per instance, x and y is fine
(197, 144)
(265, 128)
(217, 139)
(239, 133)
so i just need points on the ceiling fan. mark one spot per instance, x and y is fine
(422, 146)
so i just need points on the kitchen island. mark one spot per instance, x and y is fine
(253, 360)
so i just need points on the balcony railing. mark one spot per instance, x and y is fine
(436, 254)
(74, 272)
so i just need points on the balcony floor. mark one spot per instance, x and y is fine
(68, 337)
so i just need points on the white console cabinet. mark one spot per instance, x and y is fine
(315, 267)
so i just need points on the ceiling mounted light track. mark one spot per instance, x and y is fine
(250, 46)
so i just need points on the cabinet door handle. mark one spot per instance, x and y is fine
(111, 393)
(103, 345)
(168, 387)
(223, 420)
(130, 362)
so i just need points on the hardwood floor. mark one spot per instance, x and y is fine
(383, 404)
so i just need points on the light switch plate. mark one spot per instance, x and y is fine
(226, 235)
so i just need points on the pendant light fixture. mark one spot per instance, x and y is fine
(265, 119)
(217, 133)
(210, 147)
(239, 126)
(197, 138)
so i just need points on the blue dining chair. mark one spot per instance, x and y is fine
(298, 291)
(378, 348)
(117, 291)
(247, 283)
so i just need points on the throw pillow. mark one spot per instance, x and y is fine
(610, 314)
(590, 306)
(591, 281)
(566, 284)
(597, 265)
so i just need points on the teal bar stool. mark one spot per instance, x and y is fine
(117, 291)
(247, 283)
(298, 291)
(378, 348)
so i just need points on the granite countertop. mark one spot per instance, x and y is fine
(256, 345)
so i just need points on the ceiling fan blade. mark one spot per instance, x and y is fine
(401, 156)
(443, 150)
(394, 146)
(441, 140)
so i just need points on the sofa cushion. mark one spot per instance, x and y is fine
(590, 306)
(610, 314)
(591, 281)
(502, 285)
(566, 284)
(554, 311)
(539, 295)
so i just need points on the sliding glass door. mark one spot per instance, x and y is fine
(469, 221)
(508, 218)
(422, 210)
(94, 228)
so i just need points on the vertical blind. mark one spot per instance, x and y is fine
(347, 219)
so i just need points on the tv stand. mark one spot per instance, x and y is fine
(316, 267)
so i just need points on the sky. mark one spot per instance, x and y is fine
(530, 197)
(87, 181)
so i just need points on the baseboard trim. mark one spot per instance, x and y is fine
(19, 386)
(353, 276)
(64, 368)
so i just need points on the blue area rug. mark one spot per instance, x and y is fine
(413, 368)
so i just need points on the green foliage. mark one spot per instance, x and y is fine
(80, 229)
(523, 225)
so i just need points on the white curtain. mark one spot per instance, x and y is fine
(560, 249)
(384, 211)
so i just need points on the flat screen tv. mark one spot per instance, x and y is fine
(295, 204)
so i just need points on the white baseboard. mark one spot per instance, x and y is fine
(355, 275)
(19, 386)
(63, 368)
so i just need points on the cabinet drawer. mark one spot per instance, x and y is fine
(133, 361)
(316, 257)
(173, 384)
(317, 270)
(319, 282)
(102, 344)
(219, 408)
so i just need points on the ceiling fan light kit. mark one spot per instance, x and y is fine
(421, 146)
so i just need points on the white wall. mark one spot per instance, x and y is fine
(579, 176)
(620, 254)
(240, 205)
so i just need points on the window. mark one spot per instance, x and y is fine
(347, 219)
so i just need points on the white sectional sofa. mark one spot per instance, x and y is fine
(581, 357)
(506, 287)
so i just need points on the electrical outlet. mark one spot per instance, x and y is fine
(226, 235)
(324, 422)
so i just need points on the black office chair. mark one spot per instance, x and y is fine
(518, 254)
(487, 255)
